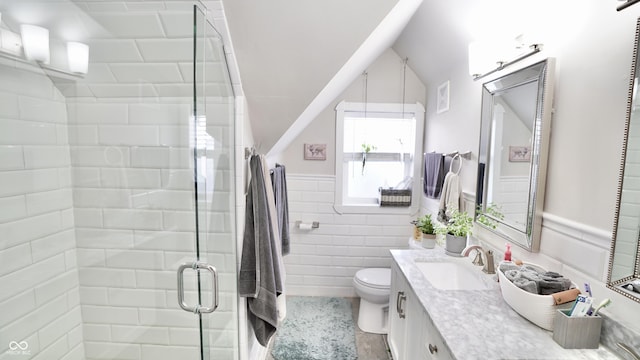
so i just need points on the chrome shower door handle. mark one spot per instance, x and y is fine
(198, 308)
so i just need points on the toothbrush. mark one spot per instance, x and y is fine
(604, 303)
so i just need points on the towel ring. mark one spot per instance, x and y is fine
(456, 156)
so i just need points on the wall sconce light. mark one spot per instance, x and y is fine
(482, 56)
(78, 57)
(35, 42)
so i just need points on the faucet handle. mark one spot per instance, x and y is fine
(478, 259)
(489, 267)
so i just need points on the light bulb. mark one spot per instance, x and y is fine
(35, 41)
(78, 57)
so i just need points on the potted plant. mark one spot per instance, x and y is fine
(456, 231)
(427, 228)
(366, 148)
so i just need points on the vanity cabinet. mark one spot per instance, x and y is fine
(432, 345)
(412, 334)
(399, 313)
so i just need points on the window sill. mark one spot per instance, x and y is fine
(375, 209)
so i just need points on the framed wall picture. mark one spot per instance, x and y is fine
(315, 151)
(442, 99)
(520, 153)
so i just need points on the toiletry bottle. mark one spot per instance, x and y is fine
(507, 253)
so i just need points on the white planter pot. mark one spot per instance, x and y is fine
(455, 244)
(428, 241)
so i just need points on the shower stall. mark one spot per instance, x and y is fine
(117, 187)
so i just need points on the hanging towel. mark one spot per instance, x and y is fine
(260, 276)
(450, 197)
(279, 180)
(433, 174)
(277, 241)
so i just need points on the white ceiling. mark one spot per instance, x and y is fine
(287, 52)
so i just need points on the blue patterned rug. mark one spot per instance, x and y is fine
(316, 328)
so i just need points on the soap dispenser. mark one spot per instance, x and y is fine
(507, 253)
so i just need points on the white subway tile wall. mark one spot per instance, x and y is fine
(135, 224)
(323, 261)
(111, 274)
(38, 272)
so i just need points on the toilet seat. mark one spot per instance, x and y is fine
(377, 278)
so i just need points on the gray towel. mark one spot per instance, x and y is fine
(512, 274)
(279, 180)
(552, 282)
(531, 279)
(518, 279)
(259, 276)
(433, 174)
(508, 266)
(526, 285)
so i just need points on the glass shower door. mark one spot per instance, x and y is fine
(212, 134)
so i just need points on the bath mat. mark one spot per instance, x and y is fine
(316, 328)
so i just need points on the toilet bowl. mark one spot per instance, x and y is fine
(372, 285)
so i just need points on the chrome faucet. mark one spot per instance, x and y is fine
(489, 267)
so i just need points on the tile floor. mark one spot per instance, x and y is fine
(369, 346)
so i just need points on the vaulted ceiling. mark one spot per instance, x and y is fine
(288, 51)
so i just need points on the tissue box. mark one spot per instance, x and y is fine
(539, 309)
(579, 332)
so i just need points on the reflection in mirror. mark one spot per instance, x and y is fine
(624, 261)
(516, 112)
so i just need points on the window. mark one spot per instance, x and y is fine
(376, 147)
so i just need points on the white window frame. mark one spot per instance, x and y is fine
(344, 107)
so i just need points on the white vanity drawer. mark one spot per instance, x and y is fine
(433, 344)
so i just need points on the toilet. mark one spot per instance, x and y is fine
(372, 285)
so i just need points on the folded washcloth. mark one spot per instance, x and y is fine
(531, 275)
(553, 284)
(550, 286)
(552, 274)
(505, 266)
(532, 268)
(526, 285)
(512, 274)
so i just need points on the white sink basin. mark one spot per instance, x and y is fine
(446, 275)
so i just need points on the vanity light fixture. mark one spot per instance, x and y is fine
(35, 42)
(476, 53)
(626, 4)
(78, 57)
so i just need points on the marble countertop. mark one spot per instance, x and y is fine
(479, 324)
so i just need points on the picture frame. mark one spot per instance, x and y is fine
(442, 98)
(520, 153)
(315, 151)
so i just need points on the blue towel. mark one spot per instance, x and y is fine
(433, 174)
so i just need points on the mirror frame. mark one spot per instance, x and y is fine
(542, 72)
(617, 285)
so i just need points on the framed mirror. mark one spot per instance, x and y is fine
(624, 274)
(512, 159)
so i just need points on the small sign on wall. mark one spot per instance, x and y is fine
(315, 151)
(442, 100)
(519, 153)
